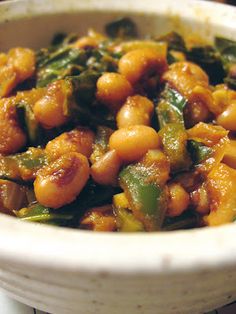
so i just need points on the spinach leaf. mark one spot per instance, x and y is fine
(84, 86)
(198, 151)
(174, 41)
(121, 28)
(187, 220)
(28, 122)
(227, 50)
(59, 64)
(209, 59)
(58, 39)
(85, 110)
(102, 61)
(39, 213)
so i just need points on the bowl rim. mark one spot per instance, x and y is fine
(56, 248)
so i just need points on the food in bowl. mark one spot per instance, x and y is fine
(116, 133)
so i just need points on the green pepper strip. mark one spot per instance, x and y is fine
(13, 166)
(170, 108)
(126, 221)
(147, 199)
(174, 140)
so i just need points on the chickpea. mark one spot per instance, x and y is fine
(92, 40)
(60, 182)
(79, 140)
(52, 109)
(192, 69)
(30, 96)
(227, 118)
(230, 154)
(12, 138)
(223, 97)
(194, 113)
(133, 142)
(99, 219)
(106, 169)
(7, 80)
(17, 65)
(200, 200)
(23, 62)
(3, 59)
(86, 42)
(126, 46)
(136, 110)
(179, 200)
(139, 64)
(192, 82)
(113, 89)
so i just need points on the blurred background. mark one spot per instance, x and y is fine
(226, 1)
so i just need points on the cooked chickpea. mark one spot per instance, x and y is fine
(230, 154)
(194, 113)
(3, 59)
(60, 182)
(52, 109)
(106, 169)
(86, 42)
(99, 219)
(192, 82)
(227, 118)
(179, 200)
(113, 89)
(133, 142)
(200, 200)
(30, 96)
(7, 80)
(139, 64)
(126, 46)
(136, 110)
(223, 97)
(191, 69)
(79, 140)
(92, 40)
(17, 65)
(23, 62)
(12, 138)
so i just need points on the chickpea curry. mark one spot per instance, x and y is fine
(117, 133)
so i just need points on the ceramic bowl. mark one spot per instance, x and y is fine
(68, 271)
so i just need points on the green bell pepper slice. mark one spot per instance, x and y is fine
(147, 199)
(170, 107)
(174, 141)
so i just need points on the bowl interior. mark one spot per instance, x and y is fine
(33, 24)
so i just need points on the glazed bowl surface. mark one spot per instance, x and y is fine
(66, 271)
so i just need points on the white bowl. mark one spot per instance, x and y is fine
(69, 271)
